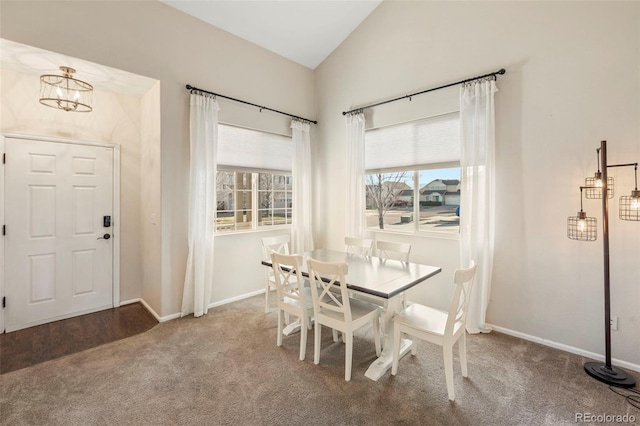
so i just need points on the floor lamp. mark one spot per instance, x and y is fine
(584, 228)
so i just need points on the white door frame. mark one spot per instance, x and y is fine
(116, 206)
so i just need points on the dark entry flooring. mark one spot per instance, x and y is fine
(30, 346)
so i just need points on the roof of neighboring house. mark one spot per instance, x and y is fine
(440, 191)
(406, 193)
(447, 182)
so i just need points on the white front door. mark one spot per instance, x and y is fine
(58, 263)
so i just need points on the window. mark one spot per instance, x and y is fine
(413, 176)
(253, 182)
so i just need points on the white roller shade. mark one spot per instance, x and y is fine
(433, 140)
(240, 148)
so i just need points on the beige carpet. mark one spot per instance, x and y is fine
(225, 369)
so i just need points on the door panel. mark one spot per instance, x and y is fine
(56, 264)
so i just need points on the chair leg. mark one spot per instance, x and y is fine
(462, 348)
(316, 343)
(280, 318)
(266, 299)
(348, 357)
(376, 335)
(447, 352)
(303, 338)
(414, 347)
(396, 349)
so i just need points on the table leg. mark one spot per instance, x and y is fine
(383, 363)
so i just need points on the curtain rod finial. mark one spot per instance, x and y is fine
(502, 71)
(189, 87)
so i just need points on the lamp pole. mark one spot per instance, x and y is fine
(606, 372)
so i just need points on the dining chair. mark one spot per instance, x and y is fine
(391, 250)
(278, 244)
(340, 312)
(360, 246)
(441, 328)
(395, 251)
(293, 297)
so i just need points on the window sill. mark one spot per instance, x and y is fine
(254, 231)
(422, 234)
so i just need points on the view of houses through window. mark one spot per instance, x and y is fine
(414, 200)
(250, 200)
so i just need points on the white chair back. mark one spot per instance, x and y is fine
(289, 281)
(323, 276)
(278, 244)
(395, 251)
(463, 280)
(360, 246)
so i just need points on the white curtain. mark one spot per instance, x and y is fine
(198, 280)
(301, 232)
(355, 219)
(477, 197)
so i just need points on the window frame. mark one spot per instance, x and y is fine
(416, 230)
(255, 208)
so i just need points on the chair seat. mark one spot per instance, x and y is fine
(308, 299)
(426, 319)
(359, 309)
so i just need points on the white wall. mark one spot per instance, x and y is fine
(151, 39)
(572, 80)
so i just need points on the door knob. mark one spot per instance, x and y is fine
(105, 237)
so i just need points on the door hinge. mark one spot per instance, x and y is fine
(4, 158)
(4, 229)
(4, 301)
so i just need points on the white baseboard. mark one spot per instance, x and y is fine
(566, 348)
(151, 311)
(235, 299)
(177, 315)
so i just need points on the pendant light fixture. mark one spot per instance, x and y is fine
(630, 206)
(593, 185)
(581, 227)
(65, 92)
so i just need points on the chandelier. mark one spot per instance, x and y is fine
(65, 92)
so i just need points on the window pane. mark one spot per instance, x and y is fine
(265, 181)
(225, 200)
(265, 218)
(280, 200)
(279, 182)
(225, 221)
(389, 201)
(440, 200)
(243, 181)
(225, 181)
(279, 217)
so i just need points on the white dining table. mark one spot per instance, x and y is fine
(385, 280)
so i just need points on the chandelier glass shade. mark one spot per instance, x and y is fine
(65, 92)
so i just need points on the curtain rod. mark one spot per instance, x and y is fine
(494, 74)
(190, 87)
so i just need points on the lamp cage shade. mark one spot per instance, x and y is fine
(65, 92)
(594, 191)
(630, 206)
(582, 228)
